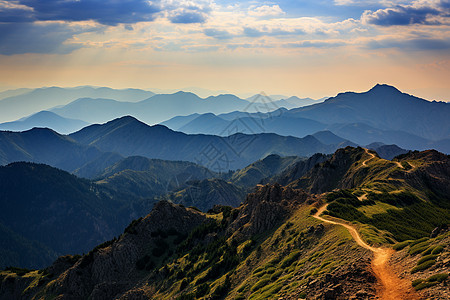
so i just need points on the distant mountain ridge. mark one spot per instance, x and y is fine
(155, 109)
(384, 107)
(45, 119)
(382, 114)
(128, 136)
(24, 103)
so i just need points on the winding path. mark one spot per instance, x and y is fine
(372, 156)
(392, 287)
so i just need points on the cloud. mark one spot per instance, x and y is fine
(20, 38)
(255, 33)
(108, 12)
(252, 32)
(314, 44)
(416, 44)
(186, 16)
(185, 11)
(217, 33)
(266, 11)
(419, 12)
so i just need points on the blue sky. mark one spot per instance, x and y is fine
(306, 48)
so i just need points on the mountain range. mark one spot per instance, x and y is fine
(154, 109)
(275, 243)
(381, 114)
(45, 119)
(23, 102)
(101, 104)
(128, 136)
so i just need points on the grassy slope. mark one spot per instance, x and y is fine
(406, 197)
(279, 262)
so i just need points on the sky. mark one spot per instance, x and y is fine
(305, 48)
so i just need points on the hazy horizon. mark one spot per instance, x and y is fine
(303, 48)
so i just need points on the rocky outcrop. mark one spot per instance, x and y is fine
(110, 270)
(331, 174)
(299, 169)
(264, 209)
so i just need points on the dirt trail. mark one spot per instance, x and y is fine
(372, 156)
(392, 287)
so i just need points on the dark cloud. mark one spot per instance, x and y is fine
(417, 44)
(406, 15)
(20, 38)
(12, 15)
(187, 16)
(217, 33)
(107, 12)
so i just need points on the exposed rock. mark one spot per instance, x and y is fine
(265, 208)
(109, 271)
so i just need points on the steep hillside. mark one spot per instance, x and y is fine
(51, 210)
(42, 145)
(407, 197)
(277, 243)
(205, 194)
(146, 178)
(261, 250)
(261, 169)
(298, 169)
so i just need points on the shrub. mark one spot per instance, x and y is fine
(202, 289)
(438, 277)
(260, 284)
(275, 275)
(18, 271)
(426, 258)
(290, 259)
(420, 247)
(420, 284)
(424, 285)
(183, 284)
(423, 266)
(438, 249)
(222, 289)
(417, 282)
(401, 245)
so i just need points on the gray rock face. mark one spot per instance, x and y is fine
(265, 208)
(106, 273)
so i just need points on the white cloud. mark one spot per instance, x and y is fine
(266, 11)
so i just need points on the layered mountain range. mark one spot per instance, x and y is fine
(274, 244)
(228, 199)
(382, 114)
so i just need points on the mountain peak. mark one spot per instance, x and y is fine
(124, 120)
(384, 87)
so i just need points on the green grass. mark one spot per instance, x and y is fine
(426, 258)
(418, 248)
(423, 266)
(438, 249)
(401, 245)
(420, 284)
